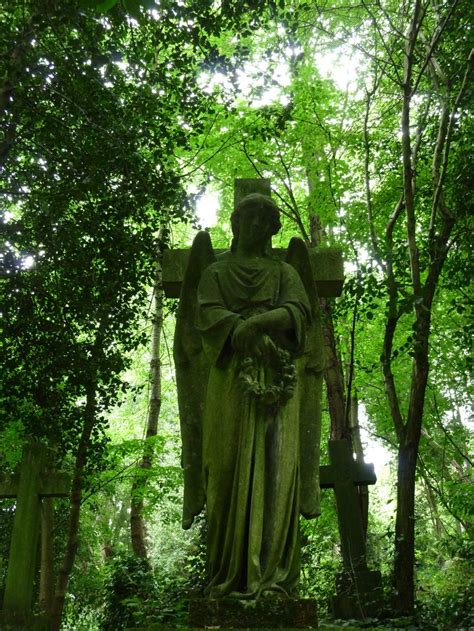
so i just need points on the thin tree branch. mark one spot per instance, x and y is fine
(370, 215)
(408, 175)
(447, 434)
(382, 39)
(350, 377)
(290, 213)
(389, 20)
(289, 190)
(393, 220)
(201, 146)
(442, 497)
(224, 145)
(433, 45)
(447, 143)
(391, 325)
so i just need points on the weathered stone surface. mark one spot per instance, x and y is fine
(249, 356)
(56, 484)
(359, 592)
(12, 621)
(343, 475)
(26, 527)
(327, 265)
(246, 186)
(272, 613)
(33, 483)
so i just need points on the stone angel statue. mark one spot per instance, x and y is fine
(249, 361)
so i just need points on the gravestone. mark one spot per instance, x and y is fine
(28, 487)
(358, 588)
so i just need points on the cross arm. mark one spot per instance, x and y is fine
(344, 468)
(327, 264)
(53, 485)
(362, 473)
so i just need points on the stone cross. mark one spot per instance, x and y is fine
(29, 487)
(327, 263)
(343, 475)
(359, 591)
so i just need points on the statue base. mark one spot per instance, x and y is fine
(270, 613)
(15, 621)
(359, 595)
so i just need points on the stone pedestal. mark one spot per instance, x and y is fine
(11, 621)
(271, 613)
(359, 595)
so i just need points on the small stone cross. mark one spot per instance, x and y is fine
(343, 475)
(29, 487)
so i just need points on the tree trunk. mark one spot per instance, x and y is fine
(409, 440)
(333, 377)
(46, 590)
(137, 523)
(404, 585)
(404, 579)
(333, 371)
(363, 489)
(76, 497)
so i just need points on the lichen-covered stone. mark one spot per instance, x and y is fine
(249, 363)
(271, 613)
(15, 621)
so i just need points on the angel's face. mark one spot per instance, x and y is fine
(255, 228)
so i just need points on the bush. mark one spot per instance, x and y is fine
(446, 592)
(130, 594)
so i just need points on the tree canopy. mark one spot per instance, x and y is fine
(119, 118)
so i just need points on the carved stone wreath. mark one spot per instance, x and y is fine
(283, 386)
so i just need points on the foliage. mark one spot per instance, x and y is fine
(135, 595)
(130, 590)
(110, 110)
(446, 590)
(320, 554)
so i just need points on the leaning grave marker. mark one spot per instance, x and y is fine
(358, 588)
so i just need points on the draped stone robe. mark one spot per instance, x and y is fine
(250, 450)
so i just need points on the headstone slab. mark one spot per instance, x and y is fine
(327, 263)
(359, 591)
(344, 474)
(19, 584)
(265, 613)
(55, 484)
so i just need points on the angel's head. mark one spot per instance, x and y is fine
(256, 218)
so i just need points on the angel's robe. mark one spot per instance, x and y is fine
(251, 452)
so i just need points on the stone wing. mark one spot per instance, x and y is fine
(310, 375)
(192, 373)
